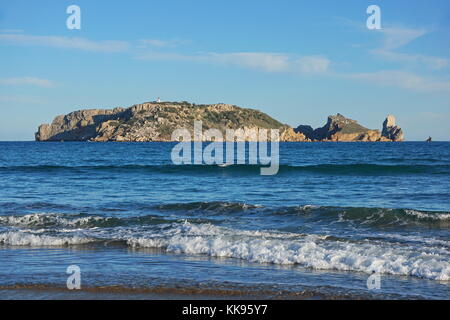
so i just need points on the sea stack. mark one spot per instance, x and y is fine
(391, 131)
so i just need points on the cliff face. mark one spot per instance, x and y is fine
(77, 126)
(156, 122)
(340, 128)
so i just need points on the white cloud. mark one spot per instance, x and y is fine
(402, 79)
(435, 63)
(313, 64)
(155, 42)
(11, 31)
(396, 37)
(65, 42)
(261, 61)
(27, 81)
(161, 43)
(255, 60)
(272, 62)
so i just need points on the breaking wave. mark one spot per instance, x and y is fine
(216, 206)
(55, 220)
(369, 217)
(310, 251)
(20, 238)
(372, 217)
(319, 252)
(41, 220)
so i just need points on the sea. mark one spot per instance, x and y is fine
(338, 221)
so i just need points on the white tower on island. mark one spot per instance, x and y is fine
(158, 100)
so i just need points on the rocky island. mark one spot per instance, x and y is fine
(340, 128)
(155, 121)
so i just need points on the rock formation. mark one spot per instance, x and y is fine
(391, 131)
(340, 128)
(156, 121)
(77, 126)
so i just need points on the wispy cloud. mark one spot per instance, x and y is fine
(20, 99)
(393, 40)
(396, 37)
(268, 62)
(402, 79)
(65, 42)
(435, 63)
(27, 81)
(161, 43)
(11, 31)
(17, 37)
(313, 64)
(261, 61)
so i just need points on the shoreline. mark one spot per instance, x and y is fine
(53, 292)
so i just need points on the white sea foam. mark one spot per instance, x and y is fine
(443, 245)
(21, 238)
(425, 215)
(311, 251)
(46, 219)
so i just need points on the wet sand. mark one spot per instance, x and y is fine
(48, 292)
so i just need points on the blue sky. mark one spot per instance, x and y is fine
(298, 61)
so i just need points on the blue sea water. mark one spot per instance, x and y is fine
(333, 215)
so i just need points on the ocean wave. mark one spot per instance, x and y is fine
(368, 216)
(319, 252)
(363, 216)
(20, 238)
(435, 216)
(371, 217)
(325, 169)
(310, 251)
(214, 206)
(40, 220)
(55, 220)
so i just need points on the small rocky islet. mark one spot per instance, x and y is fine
(155, 121)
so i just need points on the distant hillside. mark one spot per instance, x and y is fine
(156, 122)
